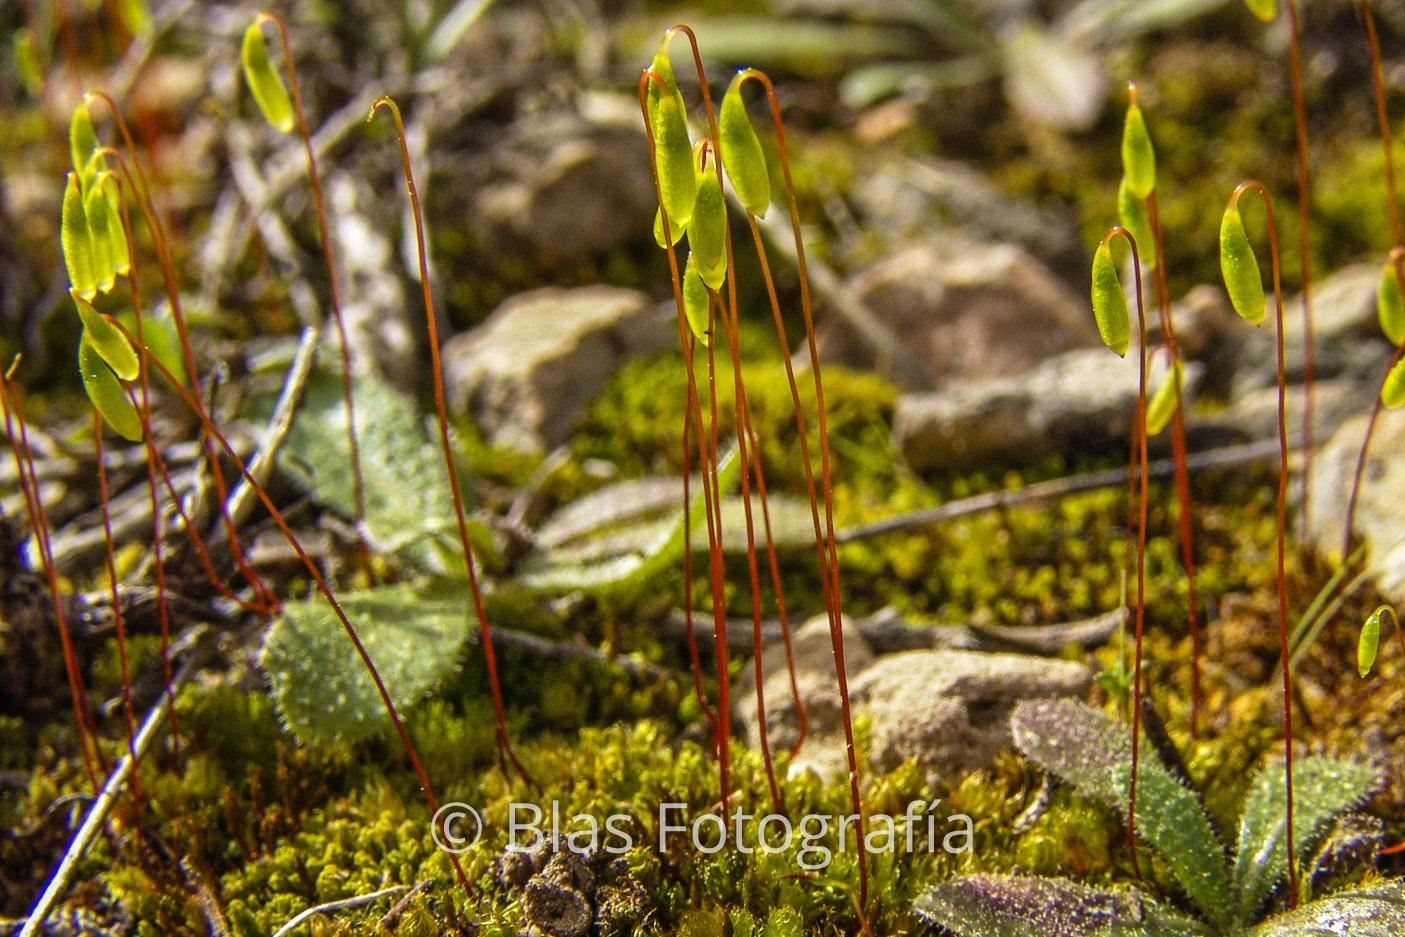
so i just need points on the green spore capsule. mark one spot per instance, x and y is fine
(83, 145)
(108, 341)
(264, 80)
(112, 196)
(1132, 214)
(707, 232)
(1240, 269)
(1368, 645)
(673, 152)
(1138, 157)
(1265, 10)
(1162, 405)
(1393, 390)
(106, 392)
(77, 241)
(741, 152)
(675, 231)
(100, 235)
(1110, 302)
(1389, 307)
(696, 299)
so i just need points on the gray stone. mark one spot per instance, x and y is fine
(1380, 509)
(1078, 400)
(962, 311)
(950, 710)
(528, 371)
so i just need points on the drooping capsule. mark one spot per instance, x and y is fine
(676, 231)
(696, 300)
(1132, 214)
(673, 151)
(1162, 405)
(1265, 10)
(100, 235)
(1369, 643)
(742, 155)
(1240, 269)
(76, 241)
(1393, 390)
(707, 232)
(1389, 307)
(1110, 302)
(264, 81)
(106, 392)
(1138, 156)
(112, 195)
(83, 145)
(108, 341)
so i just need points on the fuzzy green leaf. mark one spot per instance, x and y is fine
(77, 241)
(408, 510)
(1265, 10)
(108, 396)
(108, 341)
(696, 300)
(1389, 307)
(1162, 405)
(673, 152)
(707, 232)
(627, 572)
(100, 236)
(1322, 788)
(413, 632)
(1091, 751)
(1368, 645)
(83, 145)
(1132, 215)
(1110, 302)
(1241, 269)
(1170, 819)
(1017, 906)
(1374, 911)
(264, 80)
(1393, 389)
(742, 155)
(1138, 156)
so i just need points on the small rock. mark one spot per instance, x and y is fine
(950, 709)
(528, 371)
(818, 685)
(554, 909)
(964, 311)
(1078, 401)
(1255, 414)
(1380, 508)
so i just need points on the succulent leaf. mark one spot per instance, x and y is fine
(1240, 269)
(264, 81)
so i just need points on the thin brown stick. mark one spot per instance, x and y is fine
(441, 410)
(333, 290)
(1295, 65)
(1142, 490)
(1282, 511)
